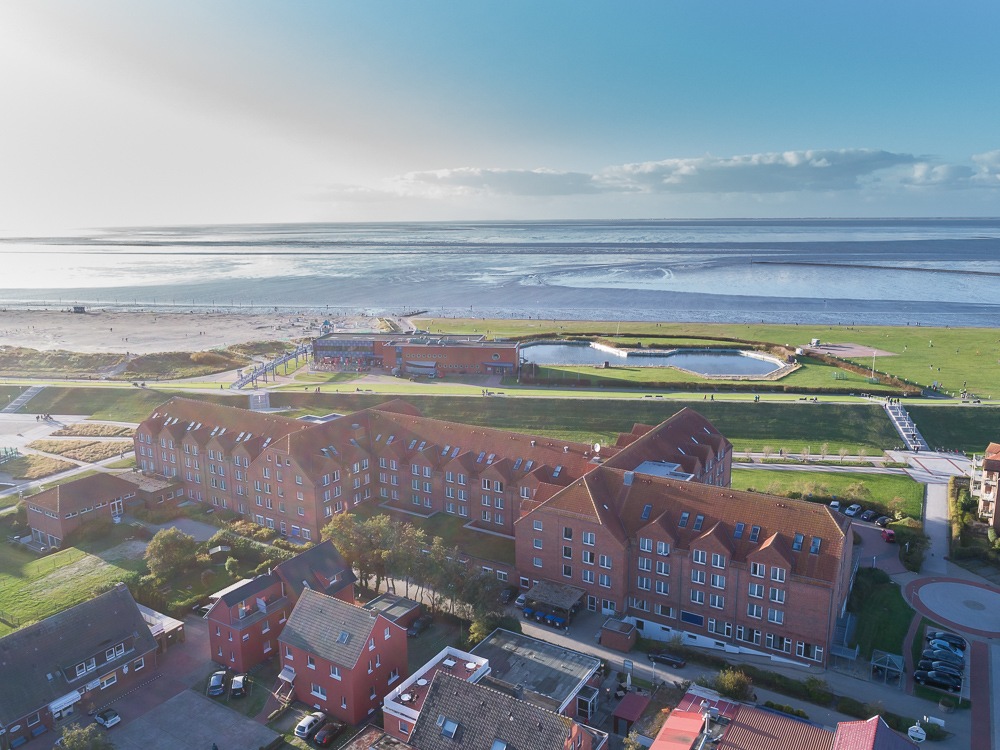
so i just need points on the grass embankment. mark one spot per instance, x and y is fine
(18, 361)
(88, 429)
(33, 467)
(963, 428)
(884, 492)
(749, 426)
(883, 615)
(921, 355)
(450, 529)
(89, 451)
(172, 365)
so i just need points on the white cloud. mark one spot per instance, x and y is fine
(472, 180)
(987, 168)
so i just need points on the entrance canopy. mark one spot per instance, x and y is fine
(556, 598)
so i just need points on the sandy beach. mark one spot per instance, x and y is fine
(148, 332)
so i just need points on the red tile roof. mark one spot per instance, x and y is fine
(70, 497)
(756, 729)
(872, 734)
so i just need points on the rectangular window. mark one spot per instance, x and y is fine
(698, 521)
(588, 576)
(718, 582)
(778, 596)
(756, 590)
(645, 545)
(684, 519)
(697, 596)
(699, 556)
(662, 568)
(537, 525)
(814, 545)
(664, 611)
(718, 561)
(755, 611)
(757, 570)
(567, 553)
(776, 616)
(698, 576)
(797, 542)
(335, 672)
(588, 557)
(663, 588)
(109, 680)
(567, 532)
(717, 600)
(537, 543)
(778, 575)
(605, 580)
(605, 561)
(589, 538)
(536, 561)
(642, 583)
(318, 691)
(645, 563)
(567, 571)
(663, 548)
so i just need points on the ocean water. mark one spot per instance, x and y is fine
(897, 271)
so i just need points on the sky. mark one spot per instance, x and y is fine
(118, 113)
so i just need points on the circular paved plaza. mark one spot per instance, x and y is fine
(972, 607)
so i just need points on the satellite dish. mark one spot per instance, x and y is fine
(916, 733)
(597, 447)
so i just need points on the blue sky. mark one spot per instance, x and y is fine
(187, 112)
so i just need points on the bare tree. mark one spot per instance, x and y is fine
(824, 450)
(862, 454)
(843, 454)
(805, 454)
(768, 451)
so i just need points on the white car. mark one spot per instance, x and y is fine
(309, 724)
(519, 602)
(853, 510)
(108, 718)
(835, 505)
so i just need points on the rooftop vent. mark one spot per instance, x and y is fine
(533, 443)
(565, 449)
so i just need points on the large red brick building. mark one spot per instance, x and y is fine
(417, 354)
(646, 527)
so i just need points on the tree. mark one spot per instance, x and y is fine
(733, 683)
(862, 454)
(824, 450)
(768, 451)
(805, 454)
(89, 737)
(232, 567)
(842, 453)
(170, 550)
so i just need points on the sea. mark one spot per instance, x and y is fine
(940, 272)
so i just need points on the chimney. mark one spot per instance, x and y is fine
(565, 449)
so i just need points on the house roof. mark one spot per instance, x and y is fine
(686, 439)
(679, 732)
(329, 628)
(547, 674)
(631, 707)
(251, 588)
(321, 568)
(477, 716)
(42, 654)
(756, 729)
(872, 734)
(81, 493)
(625, 503)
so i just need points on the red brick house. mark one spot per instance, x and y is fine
(438, 355)
(245, 622)
(734, 570)
(340, 658)
(56, 513)
(985, 480)
(57, 669)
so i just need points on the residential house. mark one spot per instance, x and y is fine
(985, 480)
(56, 670)
(245, 621)
(340, 658)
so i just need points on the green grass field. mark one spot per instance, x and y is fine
(883, 615)
(921, 355)
(870, 490)
(963, 428)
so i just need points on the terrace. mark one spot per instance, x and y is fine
(405, 701)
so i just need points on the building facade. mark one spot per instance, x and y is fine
(339, 658)
(56, 513)
(416, 354)
(985, 480)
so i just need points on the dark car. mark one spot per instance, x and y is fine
(883, 521)
(958, 651)
(939, 635)
(938, 680)
(670, 660)
(419, 626)
(217, 683)
(868, 515)
(238, 687)
(939, 666)
(946, 656)
(328, 733)
(505, 595)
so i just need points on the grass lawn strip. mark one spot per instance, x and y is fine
(883, 615)
(32, 467)
(88, 451)
(88, 429)
(866, 489)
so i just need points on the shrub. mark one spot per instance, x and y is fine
(818, 691)
(851, 707)
(786, 709)
(734, 683)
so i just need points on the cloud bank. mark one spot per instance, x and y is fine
(806, 171)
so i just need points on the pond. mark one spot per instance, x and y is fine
(701, 361)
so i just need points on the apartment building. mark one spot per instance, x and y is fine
(985, 480)
(421, 354)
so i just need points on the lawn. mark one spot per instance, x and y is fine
(452, 532)
(444, 632)
(33, 588)
(32, 466)
(88, 451)
(878, 491)
(883, 615)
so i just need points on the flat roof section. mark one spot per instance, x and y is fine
(391, 606)
(538, 672)
(555, 595)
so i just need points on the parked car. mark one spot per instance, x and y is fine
(869, 515)
(309, 724)
(217, 683)
(939, 635)
(835, 505)
(937, 655)
(238, 687)
(938, 680)
(108, 718)
(940, 666)
(201, 610)
(328, 733)
(520, 601)
(505, 595)
(946, 646)
(419, 626)
(670, 660)
(883, 521)
(853, 510)
(888, 535)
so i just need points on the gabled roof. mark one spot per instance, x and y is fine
(619, 500)
(70, 497)
(873, 734)
(754, 729)
(686, 438)
(44, 655)
(249, 590)
(477, 716)
(321, 568)
(329, 628)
